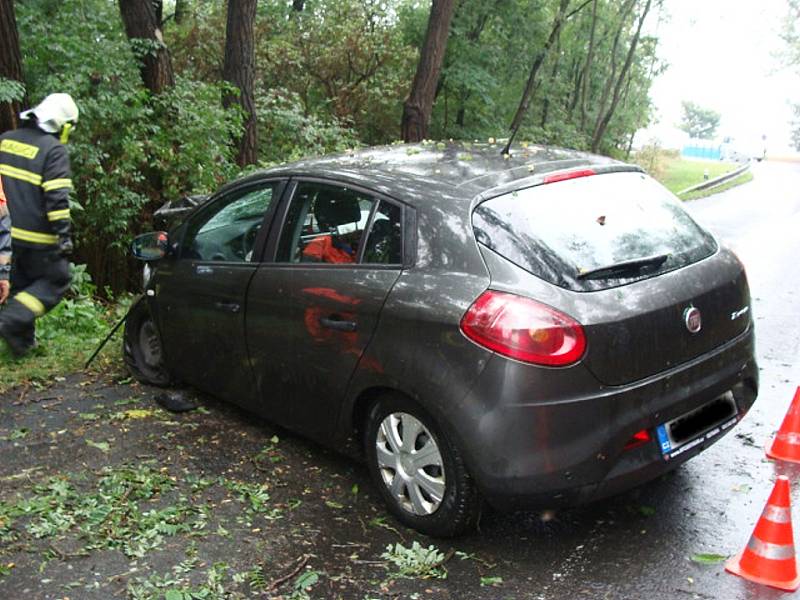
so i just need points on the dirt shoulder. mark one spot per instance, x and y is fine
(103, 494)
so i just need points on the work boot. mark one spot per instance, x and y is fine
(19, 347)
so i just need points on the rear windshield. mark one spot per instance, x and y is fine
(569, 232)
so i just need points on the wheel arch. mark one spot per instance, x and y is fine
(359, 408)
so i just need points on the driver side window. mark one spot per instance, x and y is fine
(226, 230)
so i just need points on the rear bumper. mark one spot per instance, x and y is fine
(530, 443)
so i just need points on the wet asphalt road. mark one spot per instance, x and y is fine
(639, 545)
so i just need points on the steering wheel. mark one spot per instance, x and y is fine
(249, 239)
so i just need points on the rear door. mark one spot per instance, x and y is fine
(312, 311)
(201, 293)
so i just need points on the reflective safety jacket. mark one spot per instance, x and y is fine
(5, 236)
(36, 177)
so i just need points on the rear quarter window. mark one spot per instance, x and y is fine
(564, 230)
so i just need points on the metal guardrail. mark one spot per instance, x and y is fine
(712, 183)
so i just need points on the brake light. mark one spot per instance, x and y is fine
(638, 439)
(524, 329)
(564, 175)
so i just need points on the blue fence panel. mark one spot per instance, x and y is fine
(708, 152)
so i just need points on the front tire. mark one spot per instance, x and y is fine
(418, 470)
(141, 348)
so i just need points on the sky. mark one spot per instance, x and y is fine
(724, 55)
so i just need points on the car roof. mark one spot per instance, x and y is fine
(440, 171)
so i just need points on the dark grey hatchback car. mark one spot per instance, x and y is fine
(544, 327)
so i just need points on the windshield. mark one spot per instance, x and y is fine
(562, 230)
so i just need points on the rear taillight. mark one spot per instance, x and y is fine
(524, 329)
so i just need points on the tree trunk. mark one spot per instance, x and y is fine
(417, 108)
(625, 10)
(140, 24)
(10, 62)
(606, 119)
(461, 113)
(239, 70)
(587, 66)
(530, 85)
(158, 9)
(552, 78)
(571, 101)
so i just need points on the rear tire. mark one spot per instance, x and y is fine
(418, 470)
(142, 349)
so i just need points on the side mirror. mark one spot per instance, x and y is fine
(150, 246)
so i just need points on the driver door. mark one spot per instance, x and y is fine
(201, 294)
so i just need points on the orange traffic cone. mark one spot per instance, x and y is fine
(769, 557)
(786, 444)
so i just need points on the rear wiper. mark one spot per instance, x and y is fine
(618, 269)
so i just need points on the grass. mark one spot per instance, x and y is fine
(741, 179)
(679, 174)
(66, 336)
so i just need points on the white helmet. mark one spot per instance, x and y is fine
(53, 112)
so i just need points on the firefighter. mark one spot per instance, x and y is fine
(5, 246)
(35, 172)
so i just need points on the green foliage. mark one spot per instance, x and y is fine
(288, 133)
(652, 157)
(110, 516)
(490, 52)
(699, 122)
(416, 562)
(346, 59)
(341, 70)
(144, 47)
(78, 315)
(304, 582)
(11, 90)
(67, 335)
(706, 558)
(175, 587)
(130, 152)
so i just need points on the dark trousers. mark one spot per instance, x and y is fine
(39, 279)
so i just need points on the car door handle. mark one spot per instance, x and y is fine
(334, 322)
(228, 306)
(204, 270)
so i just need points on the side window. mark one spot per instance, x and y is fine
(325, 224)
(385, 240)
(227, 229)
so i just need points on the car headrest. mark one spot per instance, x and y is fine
(334, 210)
(382, 228)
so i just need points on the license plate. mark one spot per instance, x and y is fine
(683, 433)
